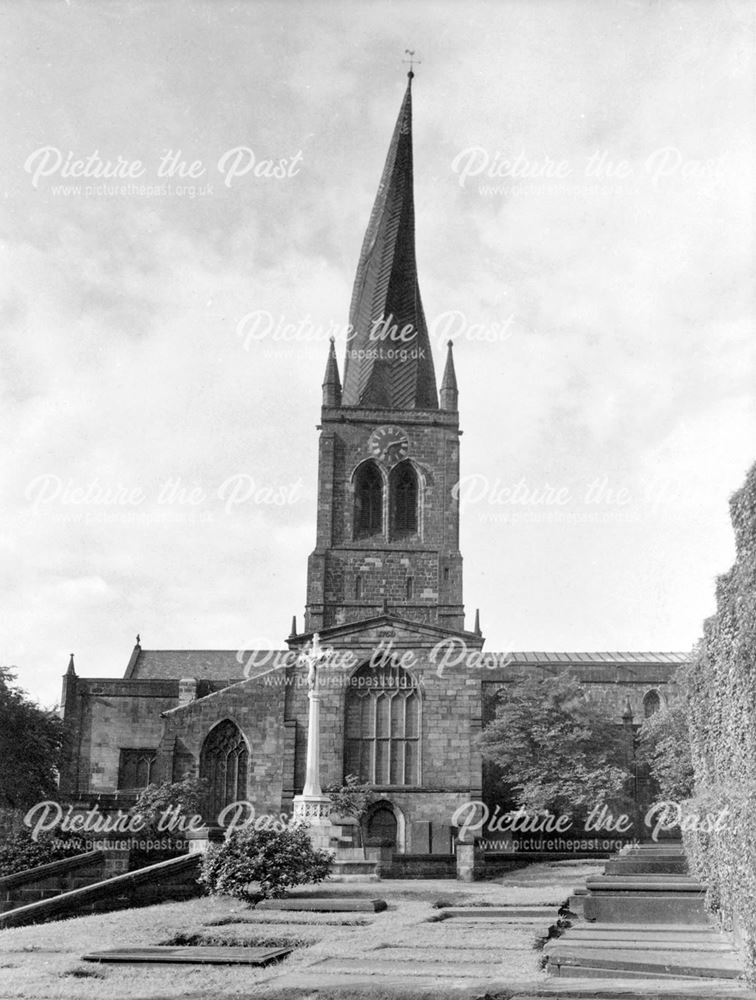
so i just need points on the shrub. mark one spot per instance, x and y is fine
(19, 852)
(273, 860)
(156, 801)
(351, 799)
(722, 710)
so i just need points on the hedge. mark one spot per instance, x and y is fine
(722, 712)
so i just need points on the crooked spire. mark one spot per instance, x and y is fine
(331, 380)
(449, 391)
(388, 360)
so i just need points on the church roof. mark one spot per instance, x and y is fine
(224, 665)
(388, 359)
(173, 664)
(599, 657)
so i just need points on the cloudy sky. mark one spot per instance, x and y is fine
(584, 180)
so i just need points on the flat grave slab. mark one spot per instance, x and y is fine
(190, 955)
(325, 905)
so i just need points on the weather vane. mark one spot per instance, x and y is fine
(411, 60)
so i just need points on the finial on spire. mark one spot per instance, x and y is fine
(476, 629)
(138, 640)
(331, 381)
(411, 61)
(71, 668)
(449, 394)
(293, 626)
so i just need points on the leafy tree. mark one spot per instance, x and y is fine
(180, 798)
(31, 746)
(555, 746)
(351, 799)
(274, 860)
(665, 744)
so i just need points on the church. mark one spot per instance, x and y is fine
(410, 686)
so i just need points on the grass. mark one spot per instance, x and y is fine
(44, 962)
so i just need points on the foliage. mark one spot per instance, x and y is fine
(19, 852)
(31, 746)
(351, 799)
(664, 745)
(274, 860)
(721, 695)
(180, 798)
(556, 747)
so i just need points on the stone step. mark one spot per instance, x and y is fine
(646, 908)
(712, 965)
(325, 905)
(644, 883)
(625, 942)
(632, 865)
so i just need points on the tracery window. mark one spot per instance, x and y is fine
(382, 731)
(135, 769)
(223, 763)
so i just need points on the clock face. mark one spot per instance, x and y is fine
(389, 444)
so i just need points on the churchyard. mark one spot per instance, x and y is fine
(433, 939)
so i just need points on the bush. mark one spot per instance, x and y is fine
(184, 798)
(274, 860)
(665, 743)
(19, 852)
(721, 693)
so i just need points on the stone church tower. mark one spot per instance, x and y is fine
(388, 521)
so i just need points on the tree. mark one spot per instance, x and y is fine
(182, 799)
(556, 747)
(351, 799)
(31, 746)
(665, 743)
(274, 860)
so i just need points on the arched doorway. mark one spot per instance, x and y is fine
(381, 826)
(224, 762)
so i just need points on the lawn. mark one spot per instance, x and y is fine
(44, 962)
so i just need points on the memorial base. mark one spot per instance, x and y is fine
(315, 811)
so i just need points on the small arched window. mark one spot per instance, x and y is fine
(404, 496)
(358, 587)
(651, 703)
(368, 501)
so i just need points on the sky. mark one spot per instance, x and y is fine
(185, 191)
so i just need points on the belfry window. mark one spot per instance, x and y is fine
(404, 495)
(382, 732)
(368, 501)
(223, 763)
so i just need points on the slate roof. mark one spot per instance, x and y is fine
(223, 664)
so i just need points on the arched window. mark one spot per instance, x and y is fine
(223, 762)
(368, 501)
(382, 732)
(358, 587)
(651, 703)
(403, 500)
